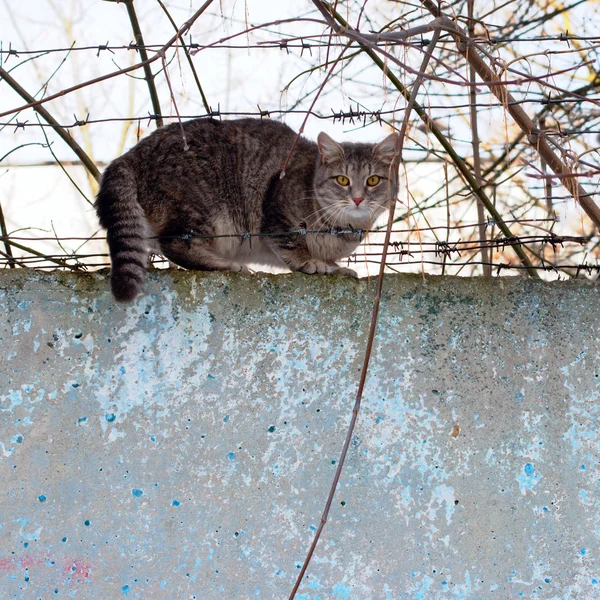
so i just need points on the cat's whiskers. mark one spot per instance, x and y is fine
(325, 210)
(329, 217)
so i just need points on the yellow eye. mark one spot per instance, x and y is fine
(342, 180)
(373, 180)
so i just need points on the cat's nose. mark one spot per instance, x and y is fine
(357, 201)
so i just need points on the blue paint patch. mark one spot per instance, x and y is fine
(528, 479)
(87, 522)
(42, 498)
(225, 419)
(125, 589)
(175, 503)
(123, 370)
(110, 417)
(231, 456)
(583, 552)
(17, 439)
(211, 377)
(152, 438)
(341, 591)
(137, 492)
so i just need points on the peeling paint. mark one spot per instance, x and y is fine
(183, 446)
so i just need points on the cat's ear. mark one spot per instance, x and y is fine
(329, 149)
(387, 149)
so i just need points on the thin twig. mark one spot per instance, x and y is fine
(56, 261)
(63, 133)
(166, 72)
(148, 75)
(48, 145)
(487, 270)
(189, 58)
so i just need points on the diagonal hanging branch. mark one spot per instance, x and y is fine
(148, 75)
(393, 193)
(189, 58)
(536, 138)
(461, 165)
(61, 131)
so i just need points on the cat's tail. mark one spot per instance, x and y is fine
(120, 213)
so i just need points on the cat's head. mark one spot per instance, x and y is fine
(352, 180)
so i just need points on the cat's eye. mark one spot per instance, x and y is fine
(373, 180)
(342, 180)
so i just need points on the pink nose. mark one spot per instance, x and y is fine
(357, 201)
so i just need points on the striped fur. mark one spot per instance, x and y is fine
(120, 213)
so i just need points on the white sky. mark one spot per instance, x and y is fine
(234, 79)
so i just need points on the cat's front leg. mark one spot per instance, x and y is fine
(297, 257)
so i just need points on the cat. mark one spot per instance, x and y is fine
(194, 206)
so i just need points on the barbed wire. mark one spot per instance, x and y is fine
(345, 116)
(402, 253)
(315, 43)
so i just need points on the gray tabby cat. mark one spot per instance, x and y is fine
(161, 198)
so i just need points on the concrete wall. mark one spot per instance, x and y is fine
(183, 447)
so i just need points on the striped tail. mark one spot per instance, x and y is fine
(127, 228)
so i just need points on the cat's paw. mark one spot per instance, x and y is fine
(315, 266)
(235, 267)
(346, 271)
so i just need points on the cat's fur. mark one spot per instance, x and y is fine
(160, 197)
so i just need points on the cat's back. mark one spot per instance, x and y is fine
(250, 140)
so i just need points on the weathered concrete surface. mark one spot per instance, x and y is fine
(183, 447)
